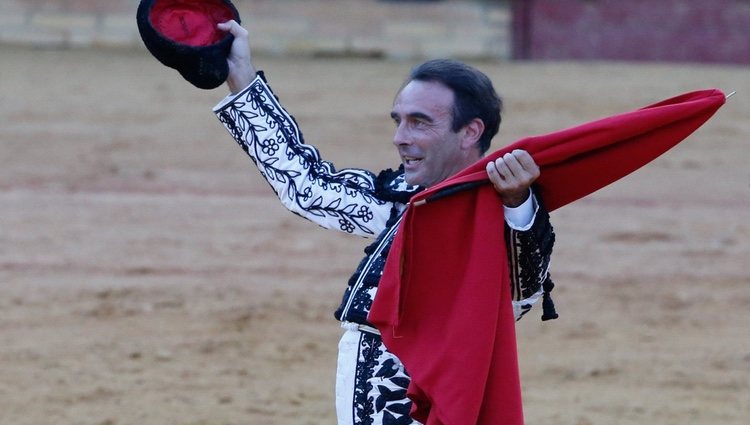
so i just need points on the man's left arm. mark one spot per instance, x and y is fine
(529, 239)
(529, 234)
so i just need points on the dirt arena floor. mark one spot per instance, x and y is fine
(148, 275)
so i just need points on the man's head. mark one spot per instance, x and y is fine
(446, 115)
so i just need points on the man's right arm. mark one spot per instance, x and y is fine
(307, 185)
(240, 61)
(345, 200)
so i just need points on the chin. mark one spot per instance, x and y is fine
(411, 179)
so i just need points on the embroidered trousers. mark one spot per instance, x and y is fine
(370, 382)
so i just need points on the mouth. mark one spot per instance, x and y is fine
(411, 161)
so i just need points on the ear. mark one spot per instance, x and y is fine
(471, 132)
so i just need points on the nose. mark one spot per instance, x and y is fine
(399, 136)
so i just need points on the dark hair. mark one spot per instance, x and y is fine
(475, 97)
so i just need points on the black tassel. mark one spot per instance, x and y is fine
(548, 306)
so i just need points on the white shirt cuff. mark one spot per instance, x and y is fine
(522, 216)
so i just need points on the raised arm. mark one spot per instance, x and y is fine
(241, 68)
(346, 200)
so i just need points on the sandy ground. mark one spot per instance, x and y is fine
(148, 276)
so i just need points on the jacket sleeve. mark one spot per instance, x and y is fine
(307, 185)
(529, 253)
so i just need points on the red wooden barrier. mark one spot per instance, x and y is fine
(664, 30)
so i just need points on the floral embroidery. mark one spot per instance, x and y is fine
(380, 386)
(307, 185)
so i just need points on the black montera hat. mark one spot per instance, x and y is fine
(182, 34)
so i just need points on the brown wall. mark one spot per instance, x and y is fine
(666, 30)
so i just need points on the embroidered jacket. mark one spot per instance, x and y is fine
(357, 201)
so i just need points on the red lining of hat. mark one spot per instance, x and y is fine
(190, 22)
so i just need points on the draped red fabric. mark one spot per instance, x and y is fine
(443, 305)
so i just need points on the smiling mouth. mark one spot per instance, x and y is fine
(411, 160)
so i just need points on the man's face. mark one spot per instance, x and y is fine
(430, 150)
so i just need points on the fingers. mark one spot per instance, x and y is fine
(516, 166)
(499, 174)
(512, 175)
(526, 162)
(241, 69)
(233, 27)
(494, 175)
(509, 167)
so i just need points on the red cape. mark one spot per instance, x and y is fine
(443, 305)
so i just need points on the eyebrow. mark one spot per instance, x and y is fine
(415, 115)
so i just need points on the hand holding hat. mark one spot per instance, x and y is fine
(241, 69)
(183, 34)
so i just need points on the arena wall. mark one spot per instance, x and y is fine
(378, 28)
(664, 30)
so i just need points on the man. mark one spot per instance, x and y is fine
(445, 116)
